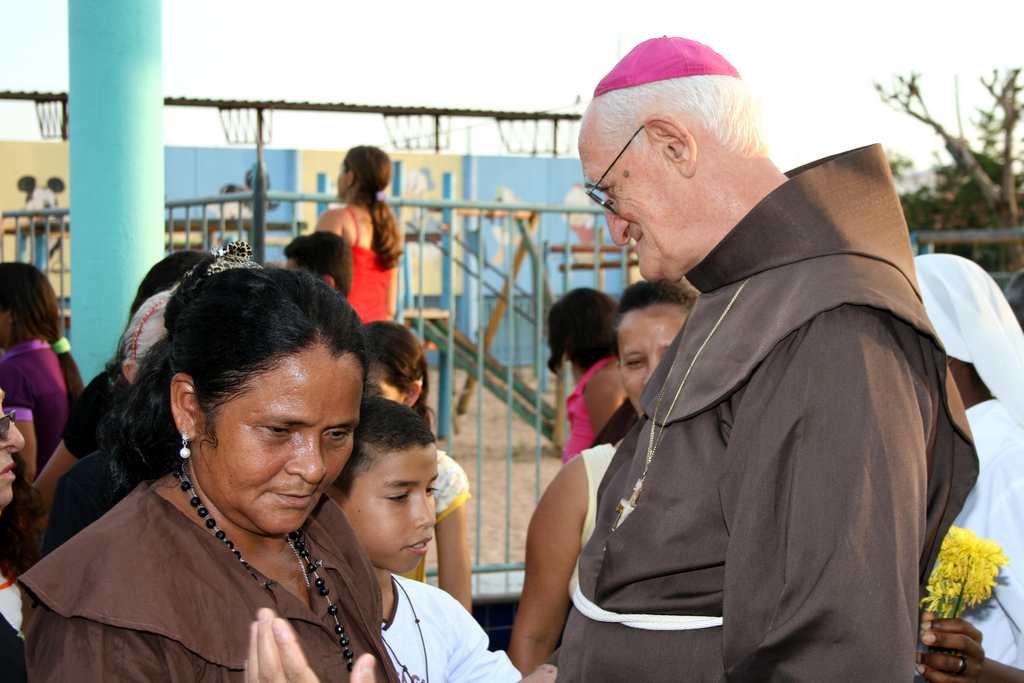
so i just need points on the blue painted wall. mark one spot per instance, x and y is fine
(203, 171)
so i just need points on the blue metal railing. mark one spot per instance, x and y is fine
(41, 237)
(477, 280)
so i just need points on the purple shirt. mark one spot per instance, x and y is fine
(32, 381)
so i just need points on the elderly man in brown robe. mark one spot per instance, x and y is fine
(775, 513)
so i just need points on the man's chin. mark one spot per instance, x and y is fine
(656, 272)
(662, 270)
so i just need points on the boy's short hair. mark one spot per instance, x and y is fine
(324, 253)
(385, 426)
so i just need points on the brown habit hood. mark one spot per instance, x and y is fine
(818, 444)
(868, 254)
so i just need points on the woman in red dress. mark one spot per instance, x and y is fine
(371, 227)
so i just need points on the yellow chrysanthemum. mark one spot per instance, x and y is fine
(964, 573)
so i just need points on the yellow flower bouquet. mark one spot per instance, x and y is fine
(965, 573)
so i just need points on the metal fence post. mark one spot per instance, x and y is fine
(444, 392)
(321, 187)
(259, 212)
(404, 277)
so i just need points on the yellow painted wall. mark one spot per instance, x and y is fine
(44, 160)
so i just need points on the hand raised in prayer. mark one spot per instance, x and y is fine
(955, 635)
(275, 655)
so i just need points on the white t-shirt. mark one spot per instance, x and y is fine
(995, 510)
(453, 645)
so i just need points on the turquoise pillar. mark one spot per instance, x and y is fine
(115, 116)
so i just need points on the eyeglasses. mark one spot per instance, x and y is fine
(5, 423)
(595, 193)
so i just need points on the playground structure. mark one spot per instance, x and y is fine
(476, 280)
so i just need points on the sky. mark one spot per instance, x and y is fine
(813, 62)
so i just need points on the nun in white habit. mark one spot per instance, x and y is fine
(986, 349)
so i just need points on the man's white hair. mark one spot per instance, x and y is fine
(727, 109)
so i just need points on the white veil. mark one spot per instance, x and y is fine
(976, 324)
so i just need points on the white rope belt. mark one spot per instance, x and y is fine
(649, 622)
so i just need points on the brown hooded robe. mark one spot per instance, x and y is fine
(809, 469)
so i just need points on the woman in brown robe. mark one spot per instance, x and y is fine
(237, 422)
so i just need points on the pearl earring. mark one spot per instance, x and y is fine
(185, 452)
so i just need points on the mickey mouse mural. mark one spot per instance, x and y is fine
(40, 197)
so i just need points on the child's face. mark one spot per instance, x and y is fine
(391, 508)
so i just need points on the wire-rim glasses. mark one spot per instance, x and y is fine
(594, 190)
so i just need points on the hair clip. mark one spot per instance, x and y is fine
(232, 255)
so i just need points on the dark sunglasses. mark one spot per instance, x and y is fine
(5, 424)
(594, 193)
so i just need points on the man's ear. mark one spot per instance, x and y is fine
(329, 279)
(673, 142)
(188, 416)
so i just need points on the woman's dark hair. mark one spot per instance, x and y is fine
(384, 427)
(643, 294)
(580, 328)
(26, 292)
(401, 358)
(20, 525)
(372, 170)
(167, 272)
(224, 330)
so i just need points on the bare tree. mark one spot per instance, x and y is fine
(905, 96)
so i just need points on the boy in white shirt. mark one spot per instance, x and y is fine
(386, 492)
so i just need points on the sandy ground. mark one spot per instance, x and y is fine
(496, 469)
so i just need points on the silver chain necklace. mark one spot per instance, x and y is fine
(309, 566)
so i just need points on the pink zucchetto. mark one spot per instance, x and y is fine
(660, 59)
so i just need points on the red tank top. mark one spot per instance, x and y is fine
(370, 280)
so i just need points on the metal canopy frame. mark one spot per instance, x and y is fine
(521, 132)
(248, 122)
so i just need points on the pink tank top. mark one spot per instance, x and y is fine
(581, 432)
(369, 295)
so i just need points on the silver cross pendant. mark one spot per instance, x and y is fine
(626, 506)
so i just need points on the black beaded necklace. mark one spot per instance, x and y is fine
(307, 565)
